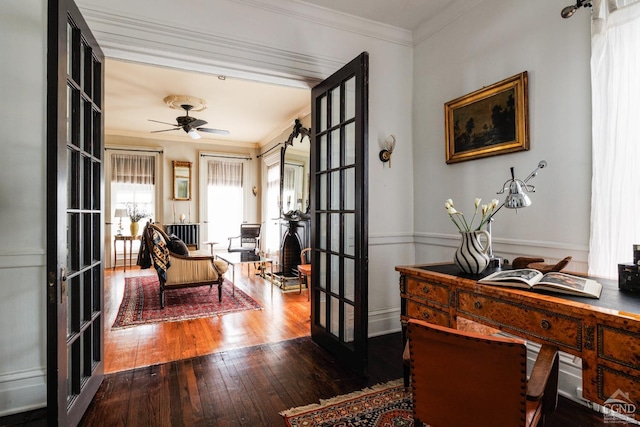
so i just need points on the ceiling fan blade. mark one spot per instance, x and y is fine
(196, 123)
(163, 130)
(164, 123)
(218, 131)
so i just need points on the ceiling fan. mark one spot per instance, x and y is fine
(189, 124)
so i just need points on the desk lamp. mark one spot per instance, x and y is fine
(120, 213)
(516, 198)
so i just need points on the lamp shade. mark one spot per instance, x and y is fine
(516, 198)
(120, 213)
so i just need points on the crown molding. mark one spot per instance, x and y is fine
(442, 19)
(334, 19)
(137, 39)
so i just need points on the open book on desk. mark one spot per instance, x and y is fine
(528, 278)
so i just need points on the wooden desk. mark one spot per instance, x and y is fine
(125, 239)
(604, 332)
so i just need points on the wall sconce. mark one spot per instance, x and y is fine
(385, 153)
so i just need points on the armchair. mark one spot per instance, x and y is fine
(247, 241)
(463, 378)
(180, 271)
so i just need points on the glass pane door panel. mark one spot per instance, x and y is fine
(334, 316)
(349, 189)
(324, 153)
(349, 279)
(349, 234)
(322, 310)
(323, 114)
(349, 319)
(334, 245)
(322, 279)
(322, 223)
(73, 232)
(323, 189)
(73, 179)
(335, 106)
(335, 190)
(350, 144)
(86, 184)
(335, 149)
(335, 274)
(350, 99)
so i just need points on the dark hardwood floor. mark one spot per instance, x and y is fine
(231, 377)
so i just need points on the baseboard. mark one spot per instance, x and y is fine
(22, 391)
(383, 322)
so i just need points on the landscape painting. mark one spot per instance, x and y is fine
(490, 121)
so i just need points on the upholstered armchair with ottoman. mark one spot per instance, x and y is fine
(176, 267)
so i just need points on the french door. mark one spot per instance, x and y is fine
(339, 304)
(75, 201)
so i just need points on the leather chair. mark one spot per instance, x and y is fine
(180, 271)
(247, 241)
(466, 379)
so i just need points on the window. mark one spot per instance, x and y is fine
(225, 206)
(132, 182)
(615, 87)
(272, 224)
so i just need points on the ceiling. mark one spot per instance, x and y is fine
(407, 14)
(253, 113)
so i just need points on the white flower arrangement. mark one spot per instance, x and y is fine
(460, 221)
(136, 213)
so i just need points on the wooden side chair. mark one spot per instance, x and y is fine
(304, 271)
(466, 379)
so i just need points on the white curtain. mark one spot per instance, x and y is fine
(133, 178)
(615, 81)
(133, 169)
(225, 205)
(272, 223)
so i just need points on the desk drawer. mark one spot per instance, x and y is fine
(619, 346)
(415, 310)
(434, 292)
(523, 320)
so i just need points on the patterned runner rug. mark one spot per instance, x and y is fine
(141, 302)
(379, 406)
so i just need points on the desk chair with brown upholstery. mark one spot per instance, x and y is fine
(466, 379)
(304, 270)
(177, 270)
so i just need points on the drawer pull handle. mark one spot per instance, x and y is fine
(477, 305)
(425, 315)
(425, 289)
(545, 324)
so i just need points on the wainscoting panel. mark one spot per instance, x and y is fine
(23, 349)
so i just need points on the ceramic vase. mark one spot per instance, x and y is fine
(134, 228)
(471, 257)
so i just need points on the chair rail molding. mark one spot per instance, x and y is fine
(444, 244)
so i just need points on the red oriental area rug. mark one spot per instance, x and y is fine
(384, 405)
(141, 302)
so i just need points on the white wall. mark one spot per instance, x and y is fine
(261, 39)
(22, 205)
(495, 40)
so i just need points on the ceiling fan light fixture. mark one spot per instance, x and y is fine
(193, 134)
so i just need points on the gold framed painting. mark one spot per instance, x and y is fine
(490, 121)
